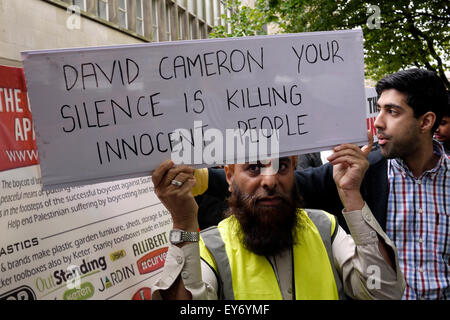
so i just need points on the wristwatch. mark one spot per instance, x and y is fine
(179, 236)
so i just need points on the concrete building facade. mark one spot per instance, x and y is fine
(49, 24)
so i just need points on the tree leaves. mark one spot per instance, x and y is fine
(411, 33)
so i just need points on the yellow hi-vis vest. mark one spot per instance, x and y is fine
(243, 275)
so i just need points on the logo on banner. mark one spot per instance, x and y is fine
(17, 136)
(117, 277)
(143, 294)
(148, 244)
(117, 255)
(20, 293)
(152, 261)
(85, 291)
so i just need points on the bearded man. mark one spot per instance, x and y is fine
(406, 186)
(268, 247)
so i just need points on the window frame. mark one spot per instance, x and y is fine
(124, 11)
(81, 8)
(168, 19)
(141, 19)
(154, 4)
(106, 2)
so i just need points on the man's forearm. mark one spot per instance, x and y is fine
(373, 259)
(352, 201)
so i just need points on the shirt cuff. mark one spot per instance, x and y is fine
(191, 272)
(358, 223)
(184, 261)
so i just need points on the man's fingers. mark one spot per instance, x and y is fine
(367, 148)
(160, 172)
(187, 186)
(181, 177)
(346, 160)
(174, 172)
(346, 146)
(353, 152)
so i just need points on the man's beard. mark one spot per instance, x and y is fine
(400, 148)
(266, 230)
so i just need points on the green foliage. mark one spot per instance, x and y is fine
(411, 33)
(243, 21)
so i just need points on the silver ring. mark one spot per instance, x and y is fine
(176, 183)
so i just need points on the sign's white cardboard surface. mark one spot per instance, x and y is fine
(108, 113)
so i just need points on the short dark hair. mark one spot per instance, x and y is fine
(424, 89)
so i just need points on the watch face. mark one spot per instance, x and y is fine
(175, 236)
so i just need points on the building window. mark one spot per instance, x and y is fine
(216, 13)
(155, 36)
(122, 13)
(200, 9)
(222, 12)
(202, 27)
(191, 6)
(168, 21)
(80, 3)
(191, 28)
(209, 12)
(140, 17)
(102, 9)
(181, 24)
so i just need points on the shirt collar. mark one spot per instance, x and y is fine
(446, 150)
(438, 150)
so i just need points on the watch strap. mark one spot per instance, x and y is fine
(187, 236)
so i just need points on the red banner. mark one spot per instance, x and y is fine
(17, 137)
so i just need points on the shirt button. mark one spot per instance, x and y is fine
(420, 269)
(420, 210)
(179, 259)
(420, 240)
(368, 217)
(185, 274)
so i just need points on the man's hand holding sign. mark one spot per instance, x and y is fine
(173, 186)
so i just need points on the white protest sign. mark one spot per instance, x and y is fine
(371, 114)
(106, 113)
